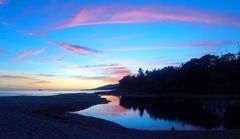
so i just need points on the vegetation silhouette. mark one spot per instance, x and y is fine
(206, 75)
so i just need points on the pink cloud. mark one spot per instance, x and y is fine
(148, 14)
(3, 2)
(111, 73)
(78, 49)
(29, 53)
(116, 69)
(120, 71)
(212, 44)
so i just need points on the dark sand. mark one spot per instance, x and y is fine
(46, 117)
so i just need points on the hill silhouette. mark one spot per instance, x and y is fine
(107, 87)
(208, 74)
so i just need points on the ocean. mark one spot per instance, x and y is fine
(43, 92)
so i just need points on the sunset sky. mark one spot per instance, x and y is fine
(80, 44)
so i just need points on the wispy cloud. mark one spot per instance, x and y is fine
(119, 71)
(28, 33)
(40, 82)
(110, 73)
(46, 75)
(29, 53)
(91, 77)
(4, 23)
(77, 49)
(3, 2)
(211, 44)
(99, 66)
(16, 77)
(2, 52)
(29, 79)
(116, 69)
(147, 14)
(60, 62)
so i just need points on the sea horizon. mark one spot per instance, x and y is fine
(36, 92)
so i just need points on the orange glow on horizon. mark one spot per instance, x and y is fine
(61, 84)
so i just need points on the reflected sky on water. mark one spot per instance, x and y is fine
(132, 112)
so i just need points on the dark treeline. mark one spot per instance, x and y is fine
(210, 73)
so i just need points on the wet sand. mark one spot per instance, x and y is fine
(46, 117)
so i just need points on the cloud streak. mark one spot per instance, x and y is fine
(148, 14)
(99, 66)
(2, 2)
(46, 75)
(16, 77)
(29, 53)
(111, 73)
(78, 49)
(91, 77)
(212, 44)
(40, 82)
(30, 79)
(4, 23)
(2, 52)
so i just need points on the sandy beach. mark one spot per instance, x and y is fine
(38, 117)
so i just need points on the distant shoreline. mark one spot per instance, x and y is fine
(49, 117)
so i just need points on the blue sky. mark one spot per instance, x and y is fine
(84, 44)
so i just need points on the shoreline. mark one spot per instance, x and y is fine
(50, 117)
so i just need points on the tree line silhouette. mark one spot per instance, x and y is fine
(208, 74)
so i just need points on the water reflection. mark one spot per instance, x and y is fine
(163, 113)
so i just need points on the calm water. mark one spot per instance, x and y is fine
(43, 92)
(156, 113)
(164, 113)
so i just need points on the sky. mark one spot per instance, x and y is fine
(82, 44)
